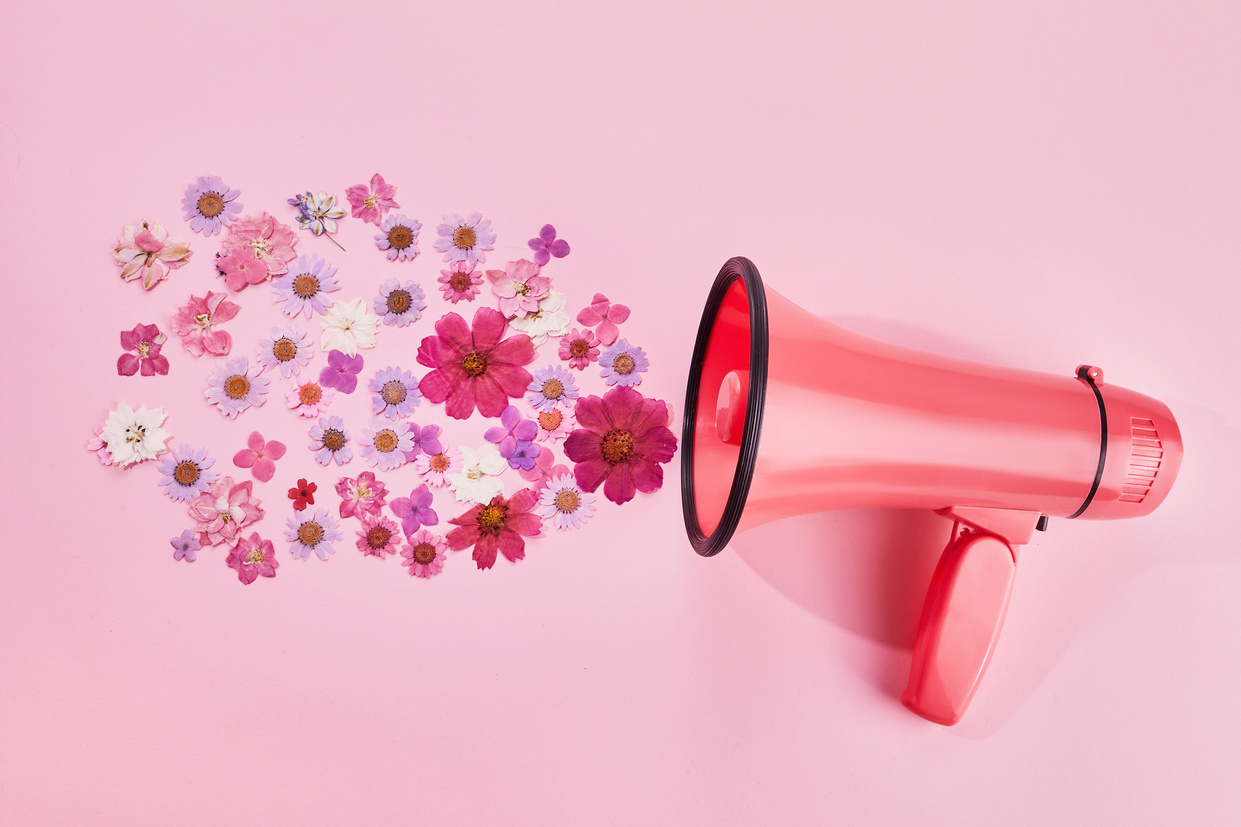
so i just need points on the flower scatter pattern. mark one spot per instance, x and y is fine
(551, 424)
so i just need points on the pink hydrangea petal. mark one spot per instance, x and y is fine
(618, 313)
(607, 332)
(264, 469)
(275, 450)
(589, 317)
(255, 441)
(244, 458)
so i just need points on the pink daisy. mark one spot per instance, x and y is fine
(425, 554)
(460, 282)
(378, 536)
(435, 468)
(309, 398)
(579, 348)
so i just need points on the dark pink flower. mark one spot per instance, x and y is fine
(579, 348)
(372, 203)
(261, 457)
(474, 367)
(497, 526)
(547, 245)
(144, 343)
(379, 536)
(460, 282)
(251, 557)
(194, 324)
(624, 440)
(605, 314)
(363, 496)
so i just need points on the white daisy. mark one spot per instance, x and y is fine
(565, 503)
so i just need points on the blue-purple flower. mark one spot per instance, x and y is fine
(186, 473)
(547, 245)
(330, 441)
(209, 205)
(187, 546)
(551, 387)
(623, 364)
(312, 532)
(341, 372)
(398, 237)
(317, 212)
(302, 289)
(514, 436)
(400, 304)
(396, 393)
(415, 510)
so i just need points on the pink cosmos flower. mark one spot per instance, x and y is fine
(460, 282)
(144, 252)
(372, 203)
(621, 445)
(473, 367)
(425, 554)
(605, 314)
(223, 511)
(579, 348)
(547, 245)
(261, 457)
(100, 447)
(252, 557)
(498, 526)
(378, 536)
(309, 398)
(194, 324)
(365, 495)
(519, 287)
(143, 343)
(255, 248)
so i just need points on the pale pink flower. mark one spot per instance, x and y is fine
(309, 398)
(223, 511)
(372, 203)
(255, 248)
(606, 315)
(519, 287)
(194, 323)
(144, 252)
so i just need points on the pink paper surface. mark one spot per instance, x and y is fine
(1038, 186)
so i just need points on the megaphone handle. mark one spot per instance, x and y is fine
(960, 624)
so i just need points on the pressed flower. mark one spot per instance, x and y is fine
(519, 287)
(465, 239)
(347, 327)
(100, 447)
(398, 237)
(473, 367)
(565, 503)
(372, 203)
(143, 343)
(514, 437)
(253, 557)
(256, 247)
(309, 398)
(552, 387)
(415, 510)
(378, 536)
(209, 205)
(260, 457)
(579, 348)
(606, 315)
(550, 319)
(236, 386)
(361, 496)
(384, 446)
(426, 440)
(554, 425)
(500, 526)
(424, 553)
(286, 348)
(622, 442)
(303, 289)
(317, 212)
(145, 252)
(303, 495)
(330, 441)
(435, 468)
(479, 477)
(623, 364)
(134, 435)
(239, 269)
(195, 322)
(396, 393)
(544, 470)
(186, 546)
(312, 533)
(341, 372)
(400, 304)
(460, 282)
(547, 245)
(223, 510)
(186, 473)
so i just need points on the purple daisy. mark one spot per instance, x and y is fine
(187, 546)
(330, 441)
(384, 446)
(622, 364)
(398, 237)
(186, 473)
(303, 287)
(396, 393)
(236, 386)
(341, 372)
(552, 387)
(209, 205)
(312, 533)
(415, 510)
(565, 503)
(400, 304)
(465, 239)
(286, 348)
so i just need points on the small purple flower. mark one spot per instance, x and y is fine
(552, 387)
(400, 304)
(515, 438)
(210, 205)
(426, 441)
(623, 364)
(330, 441)
(547, 245)
(303, 287)
(286, 348)
(524, 455)
(415, 510)
(398, 237)
(186, 473)
(341, 372)
(396, 393)
(186, 546)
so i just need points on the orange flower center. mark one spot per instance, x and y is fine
(550, 420)
(552, 389)
(424, 554)
(284, 350)
(310, 393)
(186, 472)
(474, 365)
(386, 441)
(617, 446)
(305, 286)
(236, 387)
(310, 533)
(567, 501)
(210, 204)
(491, 519)
(400, 237)
(623, 364)
(464, 237)
(399, 301)
(439, 463)
(394, 392)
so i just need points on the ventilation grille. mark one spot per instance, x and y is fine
(1145, 454)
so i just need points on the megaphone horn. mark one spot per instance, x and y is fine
(786, 413)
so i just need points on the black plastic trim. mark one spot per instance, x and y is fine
(1083, 374)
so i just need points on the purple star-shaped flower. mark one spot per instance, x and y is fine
(341, 372)
(415, 510)
(547, 245)
(426, 441)
(515, 437)
(186, 546)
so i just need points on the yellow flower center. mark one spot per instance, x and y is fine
(210, 204)
(491, 519)
(464, 237)
(617, 446)
(255, 556)
(236, 387)
(386, 441)
(474, 365)
(186, 472)
(371, 201)
(144, 348)
(567, 501)
(203, 320)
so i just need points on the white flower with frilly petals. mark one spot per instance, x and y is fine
(551, 319)
(479, 478)
(347, 327)
(134, 436)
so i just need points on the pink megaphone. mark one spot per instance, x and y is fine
(788, 414)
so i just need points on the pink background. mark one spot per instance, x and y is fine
(1035, 187)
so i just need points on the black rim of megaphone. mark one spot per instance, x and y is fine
(735, 268)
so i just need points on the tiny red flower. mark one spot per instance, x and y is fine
(303, 495)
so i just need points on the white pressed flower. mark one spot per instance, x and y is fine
(134, 436)
(479, 478)
(551, 319)
(348, 327)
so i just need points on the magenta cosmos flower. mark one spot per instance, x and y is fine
(498, 526)
(465, 239)
(236, 385)
(372, 203)
(621, 445)
(460, 282)
(210, 205)
(519, 287)
(195, 322)
(260, 457)
(224, 510)
(547, 245)
(143, 344)
(256, 248)
(579, 348)
(473, 367)
(253, 557)
(145, 252)
(365, 495)
(425, 554)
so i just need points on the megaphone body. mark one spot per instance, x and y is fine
(789, 414)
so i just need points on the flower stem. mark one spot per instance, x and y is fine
(334, 241)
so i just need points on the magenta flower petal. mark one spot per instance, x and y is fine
(547, 234)
(619, 486)
(607, 332)
(245, 458)
(559, 248)
(488, 328)
(274, 450)
(264, 469)
(127, 364)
